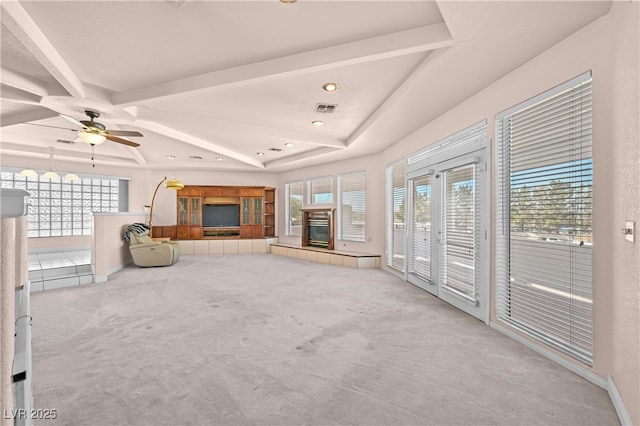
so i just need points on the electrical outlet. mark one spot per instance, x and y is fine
(629, 231)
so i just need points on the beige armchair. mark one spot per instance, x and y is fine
(146, 252)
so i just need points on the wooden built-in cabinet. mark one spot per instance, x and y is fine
(189, 214)
(205, 212)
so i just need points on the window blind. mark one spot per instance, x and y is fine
(320, 190)
(395, 246)
(422, 241)
(293, 200)
(459, 236)
(351, 206)
(544, 227)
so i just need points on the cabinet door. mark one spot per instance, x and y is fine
(245, 211)
(195, 211)
(195, 232)
(257, 210)
(183, 210)
(183, 232)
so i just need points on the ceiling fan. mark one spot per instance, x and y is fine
(95, 133)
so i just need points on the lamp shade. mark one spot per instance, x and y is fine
(50, 175)
(92, 138)
(174, 184)
(70, 177)
(28, 173)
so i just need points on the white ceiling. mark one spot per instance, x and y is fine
(233, 78)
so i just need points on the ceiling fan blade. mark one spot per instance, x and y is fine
(52, 127)
(72, 120)
(122, 141)
(124, 133)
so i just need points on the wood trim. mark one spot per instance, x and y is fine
(314, 214)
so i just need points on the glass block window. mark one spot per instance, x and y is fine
(58, 208)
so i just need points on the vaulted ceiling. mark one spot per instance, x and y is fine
(236, 85)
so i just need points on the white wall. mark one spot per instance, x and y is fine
(609, 47)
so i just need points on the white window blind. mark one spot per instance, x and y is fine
(320, 190)
(351, 206)
(293, 200)
(459, 231)
(395, 246)
(422, 241)
(544, 228)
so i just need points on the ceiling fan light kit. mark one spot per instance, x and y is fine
(92, 138)
(94, 133)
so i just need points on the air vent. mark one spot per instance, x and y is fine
(65, 141)
(325, 108)
(275, 149)
(195, 157)
(176, 3)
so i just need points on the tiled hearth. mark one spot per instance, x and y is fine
(333, 257)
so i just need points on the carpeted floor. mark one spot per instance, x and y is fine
(264, 339)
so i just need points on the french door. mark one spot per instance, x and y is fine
(447, 228)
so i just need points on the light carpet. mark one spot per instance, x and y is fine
(265, 339)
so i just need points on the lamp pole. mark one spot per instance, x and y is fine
(153, 199)
(171, 184)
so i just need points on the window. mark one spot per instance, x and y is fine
(544, 196)
(351, 206)
(395, 247)
(293, 200)
(320, 190)
(59, 208)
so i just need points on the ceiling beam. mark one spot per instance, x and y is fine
(135, 154)
(19, 81)
(196, 141)
(395, 98)
(234, 127)
(18, 21)
(41, 156)
(13, 94)
(372, 49)
(299, 157)
(26, 116)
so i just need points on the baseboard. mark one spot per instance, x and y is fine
(585, 374)
(105, 278)
(618, 403)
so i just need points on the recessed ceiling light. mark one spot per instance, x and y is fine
(259, 153)
(330, 87)
(317, 123)
(288, 144)
(195, 157)
(171, 157)
(219, 158)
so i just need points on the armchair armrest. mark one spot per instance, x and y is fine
(154, 254)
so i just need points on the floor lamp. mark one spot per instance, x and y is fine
(171, 184)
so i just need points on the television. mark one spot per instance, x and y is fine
(220, 215)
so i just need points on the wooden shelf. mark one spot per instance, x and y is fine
(260, 201)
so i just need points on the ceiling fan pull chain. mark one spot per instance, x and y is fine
(93, 154)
